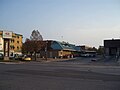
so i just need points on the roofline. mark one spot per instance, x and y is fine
(12, 32)
(111, 39)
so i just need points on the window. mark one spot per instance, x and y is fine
(12, 47)
(17, 47)
(12, 40)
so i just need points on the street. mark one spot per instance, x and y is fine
(58, 76)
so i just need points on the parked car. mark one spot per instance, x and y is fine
(26, 58)
(20, 57)
(88, 55)
(94, 59)
(1, 56)
(15, 56)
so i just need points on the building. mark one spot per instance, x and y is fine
(112, 47)
(87, 48)
(87, 51)
(14, 43)
(56, 49)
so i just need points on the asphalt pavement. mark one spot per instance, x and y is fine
(59, 76)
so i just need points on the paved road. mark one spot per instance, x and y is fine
(58, 76)
(88, 60)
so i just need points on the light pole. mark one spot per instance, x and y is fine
(46, 51)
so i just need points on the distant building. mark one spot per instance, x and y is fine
(112, 47)
(58, 49)
(88, 51)
(14, 42)
(85, 48)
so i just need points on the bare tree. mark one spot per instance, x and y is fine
(36, 36)
(34, 44)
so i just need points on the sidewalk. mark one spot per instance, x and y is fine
(66, 61)
(54, 60)
(8, 62)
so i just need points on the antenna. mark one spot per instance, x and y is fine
(62, 38)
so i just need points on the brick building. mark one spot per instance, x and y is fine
(14, 41)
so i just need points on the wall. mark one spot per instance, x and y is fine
(50, 54)
(17, 43)
(112, 46)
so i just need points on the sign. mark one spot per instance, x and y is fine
(7, 34)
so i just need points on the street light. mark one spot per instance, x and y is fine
(46, 50)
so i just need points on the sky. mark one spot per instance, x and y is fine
(79, 22)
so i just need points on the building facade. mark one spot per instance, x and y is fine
(58, 49)
(112, 47)
(15, 43)
(87, 51)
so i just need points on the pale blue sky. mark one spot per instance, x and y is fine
(79, 22)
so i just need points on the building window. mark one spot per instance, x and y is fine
(17, 41)
(12, 40)
(17, 47)
(14, 36)
(12, 47)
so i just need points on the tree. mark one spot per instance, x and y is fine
(34, 44)
(100, 50)
(92, 49)
(36, 36)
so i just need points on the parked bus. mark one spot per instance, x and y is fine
(88, 54)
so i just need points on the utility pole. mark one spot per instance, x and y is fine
(46, 50)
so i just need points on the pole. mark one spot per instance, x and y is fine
(46, 51)
(6, 49)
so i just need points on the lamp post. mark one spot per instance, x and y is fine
(46, 50)
(35, 49)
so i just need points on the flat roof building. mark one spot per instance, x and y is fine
(60, 49)
(112, 47)
(14, 41)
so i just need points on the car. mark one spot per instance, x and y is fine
(85, 55)
(1, 56)
(94, 59)
(14, 56)
(26, 58)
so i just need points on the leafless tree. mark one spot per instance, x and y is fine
(36, 36)
(34, 44)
